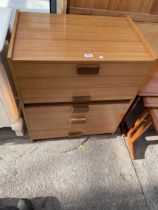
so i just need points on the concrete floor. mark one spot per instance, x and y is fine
(59, 175)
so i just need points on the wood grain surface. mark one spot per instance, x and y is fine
(150, 101)
(154, 116)
(132, 6)
(56, 59)
(150, 32)
(120, 5)
(61, 82)
(58, 38)
(48, 121)
(140, 10)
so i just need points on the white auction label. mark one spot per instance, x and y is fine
(88, 55)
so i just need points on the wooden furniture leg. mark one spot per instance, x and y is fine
(140, 126)
(9, 105)
(123, 126)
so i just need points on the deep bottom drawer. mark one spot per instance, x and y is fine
(51, 121)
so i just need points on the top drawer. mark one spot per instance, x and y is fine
(41, 82)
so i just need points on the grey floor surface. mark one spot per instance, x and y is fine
(59, 175)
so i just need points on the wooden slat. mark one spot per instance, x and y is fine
(141, 17)
(142, 6)
(13, 35)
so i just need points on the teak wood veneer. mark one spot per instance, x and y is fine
(76, 75)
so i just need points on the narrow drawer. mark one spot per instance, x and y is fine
(51, 121)
(39, 83)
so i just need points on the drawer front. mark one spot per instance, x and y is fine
(68, 120)
(41, 83)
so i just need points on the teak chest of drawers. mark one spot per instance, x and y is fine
(76, 75)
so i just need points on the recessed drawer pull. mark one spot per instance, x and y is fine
(81, 99)
(77, 120)
(88, 69)
(75, 134)
(80, 108)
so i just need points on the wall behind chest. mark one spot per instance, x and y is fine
(148, 7)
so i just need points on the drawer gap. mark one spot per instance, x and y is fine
(124, 101)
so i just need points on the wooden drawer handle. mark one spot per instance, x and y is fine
(80, 108)
(81, 99)
(75, 134)
(77, 120)
(88, 69)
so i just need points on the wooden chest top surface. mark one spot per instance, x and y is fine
(71, 38)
